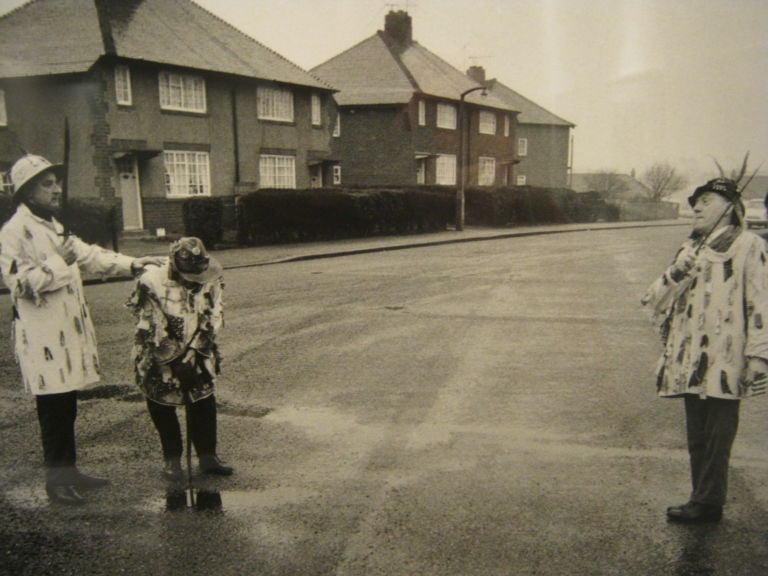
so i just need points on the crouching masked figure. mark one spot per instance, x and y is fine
(178, 308)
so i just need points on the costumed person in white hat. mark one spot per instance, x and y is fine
(714, 302)
(178, 308)
(53, 334)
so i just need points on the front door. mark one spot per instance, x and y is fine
(128, 189)
(316, 176)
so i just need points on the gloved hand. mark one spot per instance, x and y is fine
(757, 375)
(683, 264)
(67, 250)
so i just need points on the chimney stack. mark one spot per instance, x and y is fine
(398, 27)
(477, 73)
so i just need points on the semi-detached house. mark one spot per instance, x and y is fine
(165, 101)
(543, 138)
(401, 109)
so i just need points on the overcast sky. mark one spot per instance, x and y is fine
(643, 80)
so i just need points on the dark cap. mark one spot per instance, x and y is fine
(725, 187)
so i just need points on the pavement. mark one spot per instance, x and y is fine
(243, 257)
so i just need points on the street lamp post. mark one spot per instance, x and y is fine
(462, 164)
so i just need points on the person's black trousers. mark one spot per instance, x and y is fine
(57, 414)
(203, 424)
(711, 425)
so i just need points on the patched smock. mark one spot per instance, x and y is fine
(53, 334)
(170, 314)
(715, 320)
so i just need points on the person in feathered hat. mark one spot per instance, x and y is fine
(54, 338)
(713, 299)
(178, 308)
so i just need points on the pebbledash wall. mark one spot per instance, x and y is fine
(546, 161)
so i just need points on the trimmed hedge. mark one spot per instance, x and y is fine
(93, 220)
(204, 218)
(277, 216)
(527, 205)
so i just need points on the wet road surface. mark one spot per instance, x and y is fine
(473, 409)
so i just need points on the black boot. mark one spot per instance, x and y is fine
(210, 464)
(695, 513)
(64, 494)
(85, 482)
(172, 469)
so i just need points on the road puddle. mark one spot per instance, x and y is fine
(231, 501)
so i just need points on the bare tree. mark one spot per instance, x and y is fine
(662, 180)
(607, 183)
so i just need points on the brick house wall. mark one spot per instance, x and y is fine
(36, 109)
(375, 146)
(101, 130)
(379, 144)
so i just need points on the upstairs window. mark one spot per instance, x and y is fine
(123, 85)
(277, 171)
(187, 174)
(3, 113)
(446, 170)
(522, 146)
(317, 110)
(337, 126)
(506, 126)
(487, 122)
(182, 92)
(422, 113)
(486, 171)
(446, 116)
(274, 104)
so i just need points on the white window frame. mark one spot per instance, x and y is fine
(187, 173)
(6, 184)
(3, 111)
(123, 92)
(422, 109)
(274, 103)
(277, 171)
(446, 116)
(182, 92)
(445, 170)
(506, 126)
(337, 126)
(336, 174)
(486, 171)
(317, 110)
(486, 122)
(521, 180)
(522, 146)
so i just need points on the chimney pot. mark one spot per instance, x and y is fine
(477, 73)
(398, 26)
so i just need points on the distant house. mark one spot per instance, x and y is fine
(612, 185)
(401, 109)
(543, 139)
(165, 102)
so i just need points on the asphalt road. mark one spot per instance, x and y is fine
(471, 409)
